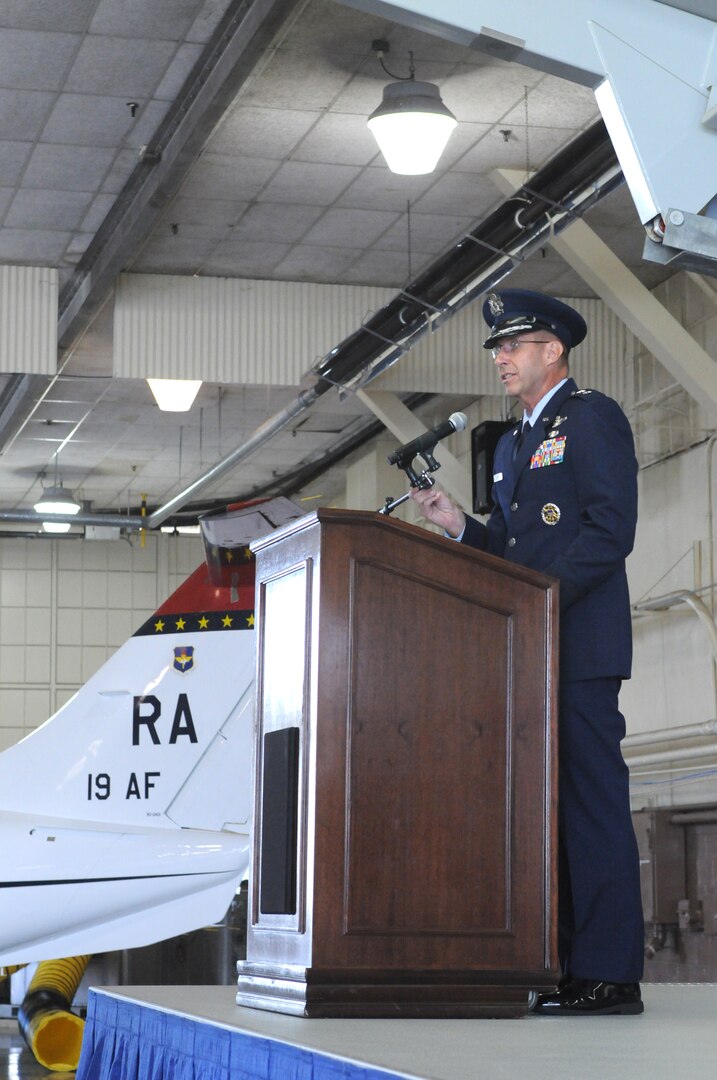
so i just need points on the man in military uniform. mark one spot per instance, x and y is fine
(565, 494)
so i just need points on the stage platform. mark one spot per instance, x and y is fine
(199, 1032)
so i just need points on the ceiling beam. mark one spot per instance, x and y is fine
(632, 302)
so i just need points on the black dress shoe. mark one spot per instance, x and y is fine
(586, 997)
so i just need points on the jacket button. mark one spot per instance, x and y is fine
(511, 542)
(513, 507)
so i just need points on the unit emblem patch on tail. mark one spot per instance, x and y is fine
(184, 658)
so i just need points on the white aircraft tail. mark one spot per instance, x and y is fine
(125, 818)
(161, 734)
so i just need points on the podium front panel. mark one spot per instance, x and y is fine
(421, 676)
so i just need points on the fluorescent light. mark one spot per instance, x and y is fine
(411, 126)
(181, 530)
(174, 395)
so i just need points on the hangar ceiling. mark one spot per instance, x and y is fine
(226, 138)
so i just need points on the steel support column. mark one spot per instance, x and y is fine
(402, 423)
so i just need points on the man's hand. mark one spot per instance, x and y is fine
(438, 508)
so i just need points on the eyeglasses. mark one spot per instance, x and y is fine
(512, 344)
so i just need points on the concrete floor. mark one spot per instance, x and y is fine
(16, 1061)
(676, 1037)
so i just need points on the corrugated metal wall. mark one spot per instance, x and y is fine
(28, 319)
(272, 332)
(232, 330)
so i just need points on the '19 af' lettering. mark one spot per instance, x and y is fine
(133, 789)
(147, 709)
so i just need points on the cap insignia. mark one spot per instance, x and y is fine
(495, 305)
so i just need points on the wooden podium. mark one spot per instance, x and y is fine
(405, 810)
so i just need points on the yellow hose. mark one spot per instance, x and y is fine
(50, 1029)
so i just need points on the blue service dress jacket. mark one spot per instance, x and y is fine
(566, 504)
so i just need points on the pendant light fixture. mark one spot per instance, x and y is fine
(55, 500)
(411, 125)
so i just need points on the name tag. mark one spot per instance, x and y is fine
(550, 452)
(497, 476)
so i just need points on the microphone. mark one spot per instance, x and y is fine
(457, 421)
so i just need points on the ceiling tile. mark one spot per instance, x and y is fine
(288, 82)
(321, 264)
(71, 15)
(312, 185)
(196, 211)
(254, 259)
(145, 18)
(47, 209)
(146, 122)
(87, 120)
(218, 176)
(555, 103)
(338, 138)
(263, 132)
(67, 168)
(485, 94)
(429, 232)
(23, 113)
(499, 151)
(388, 268)
(32, 60)
(13, 156)
(378, 188)
(42, 247)
(6, 194)
(275, 222)
(355, 228)
(107, 65)
(336, 31)
(469, 192)
(463, 138)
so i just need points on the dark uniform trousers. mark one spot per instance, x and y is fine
(567, 505)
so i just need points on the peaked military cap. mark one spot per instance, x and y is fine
(516, 311)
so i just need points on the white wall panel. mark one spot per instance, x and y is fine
(55, 635)
(273, 332)
(232, 330)
(28, 319)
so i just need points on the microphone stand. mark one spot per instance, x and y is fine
(416, 480)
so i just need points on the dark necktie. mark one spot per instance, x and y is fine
(519, 438)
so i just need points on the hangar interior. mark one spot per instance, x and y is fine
(188, 190)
